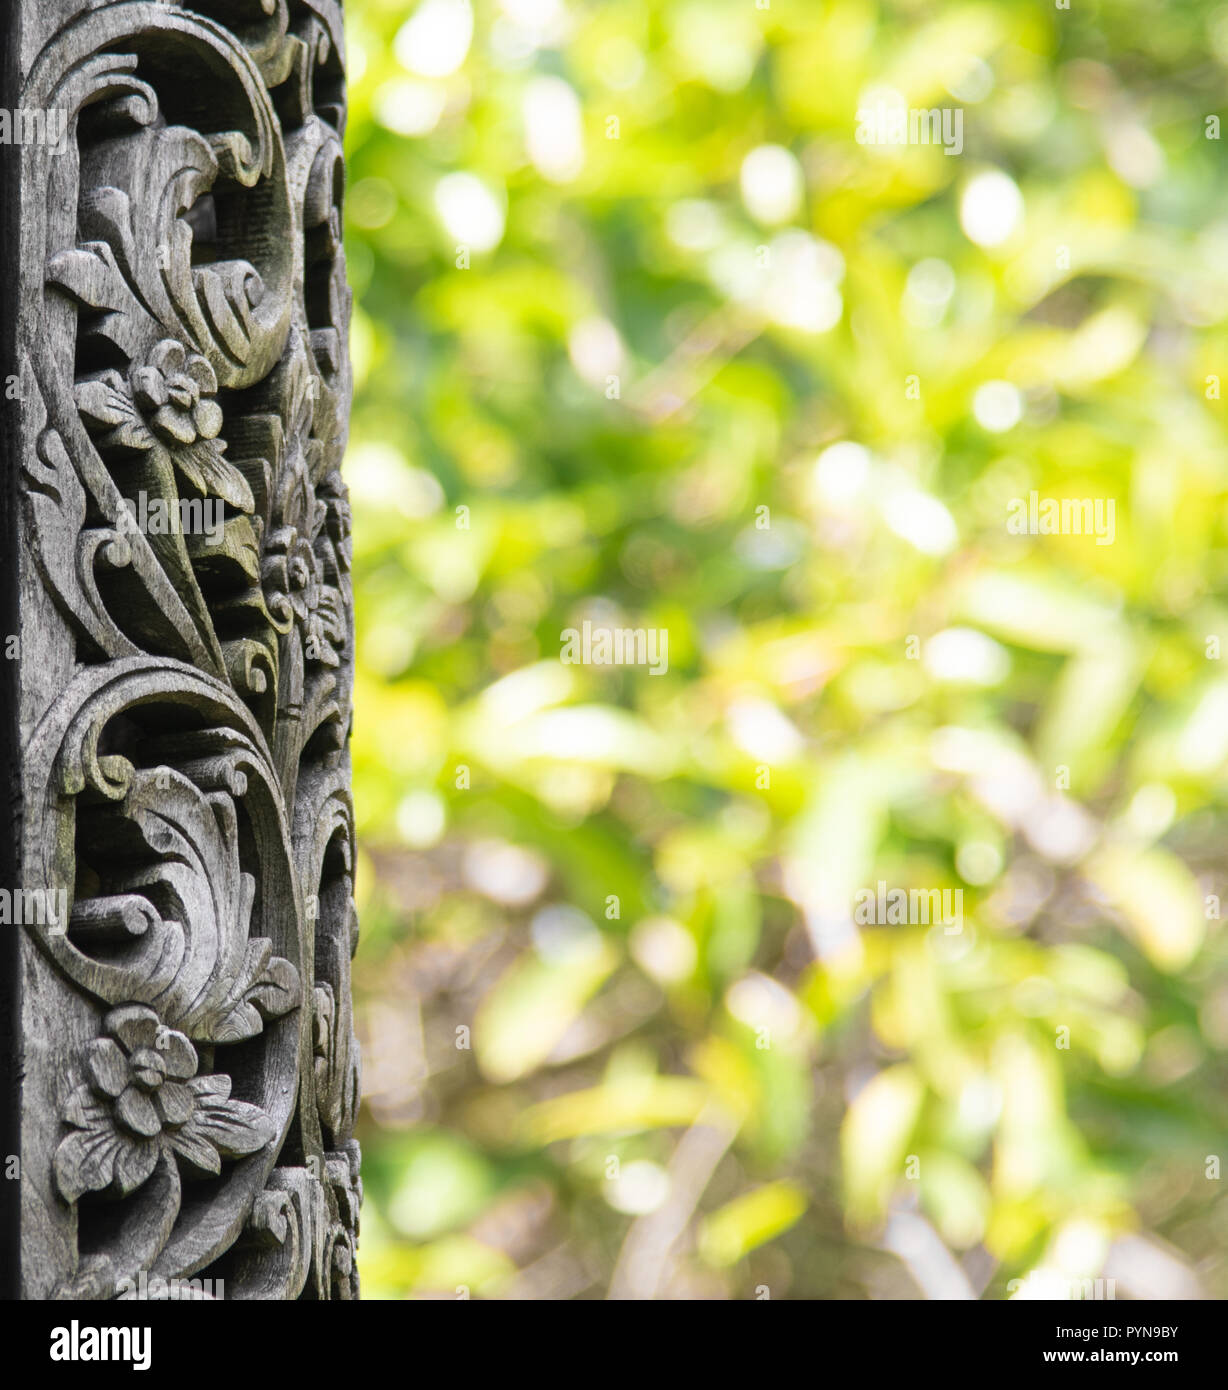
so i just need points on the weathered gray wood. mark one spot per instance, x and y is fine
(178, 323)
(10, 753)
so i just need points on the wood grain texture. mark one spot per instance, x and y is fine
(178, 323)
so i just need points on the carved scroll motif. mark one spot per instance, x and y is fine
(184, 314)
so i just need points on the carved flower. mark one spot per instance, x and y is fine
(293, 587)
(178, 388)
(144, 1099)
(167, 403)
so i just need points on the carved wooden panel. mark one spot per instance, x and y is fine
(183, 896)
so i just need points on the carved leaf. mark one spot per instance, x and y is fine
(267, 987)
(199, 1152)
(201, 462)
(195, 962)
(85, 1162)
(233, 1127)
(103, 401)
(277, 990)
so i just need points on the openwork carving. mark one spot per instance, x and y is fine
(187, 652)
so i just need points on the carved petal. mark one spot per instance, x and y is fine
(134, 1163)
(150, 387)
(85, 1161)
(198, 1151)
(84, 1110)
(202, 374)
(210, 1088)
(138, 1113)
(178, 1054)
(169, 356)
(232, 1126)
(208, 417)
(148, 1059)
(107, 1066)
(135, 1025)
(175, 422)
(174, 1102)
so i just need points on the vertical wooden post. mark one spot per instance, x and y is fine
(10, 748)
(178, 914)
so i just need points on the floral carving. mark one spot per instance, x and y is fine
(184, 311)
(168, 402)
(144, 1099)
(306, 526)
(293, 585)
(179, 389)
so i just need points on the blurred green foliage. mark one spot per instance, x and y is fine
(645, 335)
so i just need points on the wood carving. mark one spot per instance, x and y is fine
(186, 640)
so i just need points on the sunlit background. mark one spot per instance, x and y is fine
(644, 335)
